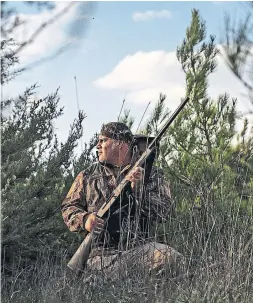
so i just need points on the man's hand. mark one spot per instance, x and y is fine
(93, 223)
(136, 177)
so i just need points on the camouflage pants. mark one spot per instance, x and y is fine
(151, 256)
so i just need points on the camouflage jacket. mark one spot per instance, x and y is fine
(134, 218)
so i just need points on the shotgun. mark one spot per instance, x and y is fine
(80, 257)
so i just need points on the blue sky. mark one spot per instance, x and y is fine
(109, 59)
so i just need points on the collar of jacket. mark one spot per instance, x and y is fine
(109, 168)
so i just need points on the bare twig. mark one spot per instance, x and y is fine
(42, 27)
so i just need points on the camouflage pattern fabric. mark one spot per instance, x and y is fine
(153, 256)
(127, 225)
(117, 131)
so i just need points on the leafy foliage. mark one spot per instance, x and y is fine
(36, 173)
(127, 119)
(208, 164)
(8, 60)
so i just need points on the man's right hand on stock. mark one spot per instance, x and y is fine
(94, 223)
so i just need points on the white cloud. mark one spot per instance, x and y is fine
(50, 39)
(150, 15)
(143, 75)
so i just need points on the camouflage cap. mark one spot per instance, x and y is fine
(117, 131)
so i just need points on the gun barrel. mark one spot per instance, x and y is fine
(168, 123)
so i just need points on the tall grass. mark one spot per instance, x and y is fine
(219, 268)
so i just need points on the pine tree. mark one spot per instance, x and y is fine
(199, 142)
(37, 171)
(127, 118)
(8, 60)
(206, 170)
(157, 117)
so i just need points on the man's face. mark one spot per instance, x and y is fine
(110, 150)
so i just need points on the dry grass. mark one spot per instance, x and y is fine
(219, 268)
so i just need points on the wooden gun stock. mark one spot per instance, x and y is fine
(81, 256)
